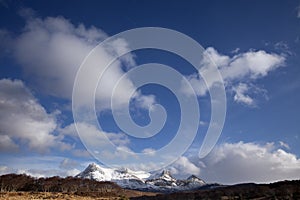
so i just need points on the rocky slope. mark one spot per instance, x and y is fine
(126, 178)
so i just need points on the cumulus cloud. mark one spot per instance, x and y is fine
(246, 66)
(23, 119)
(254, 64)
(184, 167)
(248, 162)
(51, 51)
(7, 144)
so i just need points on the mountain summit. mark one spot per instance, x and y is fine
(126, 178)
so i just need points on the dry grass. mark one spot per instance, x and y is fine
(48, 195)
(68, 196)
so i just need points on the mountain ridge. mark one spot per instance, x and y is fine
(139, 180)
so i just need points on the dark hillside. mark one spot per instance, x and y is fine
(279, 190)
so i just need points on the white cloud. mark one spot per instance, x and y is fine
(143, 101)
(253, 64)
(240, 96)
(23, 119)
(248, 162)
(149, 151)
(48, 172)
(242, 67)
(51, 51)
(248, 94)
(298, 12)
(7, 144)
(183, 167)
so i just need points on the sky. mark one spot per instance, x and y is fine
(52, 54)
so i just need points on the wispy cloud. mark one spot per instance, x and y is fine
(240, 95)
(285, 145)
(247, 94)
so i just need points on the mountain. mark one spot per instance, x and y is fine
(163, 180)
(126, 178)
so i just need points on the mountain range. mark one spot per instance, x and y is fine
(140, 180)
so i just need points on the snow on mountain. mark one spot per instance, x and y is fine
(195, 180)
(123, 177)
(96, 172)
(163, 179)
(127, 178)
(164, 175)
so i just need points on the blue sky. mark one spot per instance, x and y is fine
(254, 44)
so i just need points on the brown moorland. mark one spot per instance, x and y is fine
(21, 186)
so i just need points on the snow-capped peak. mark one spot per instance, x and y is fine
(162, 181)
(123, 176)
(194, 178)
(164, 175)
(93, 167)
(94, 171)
